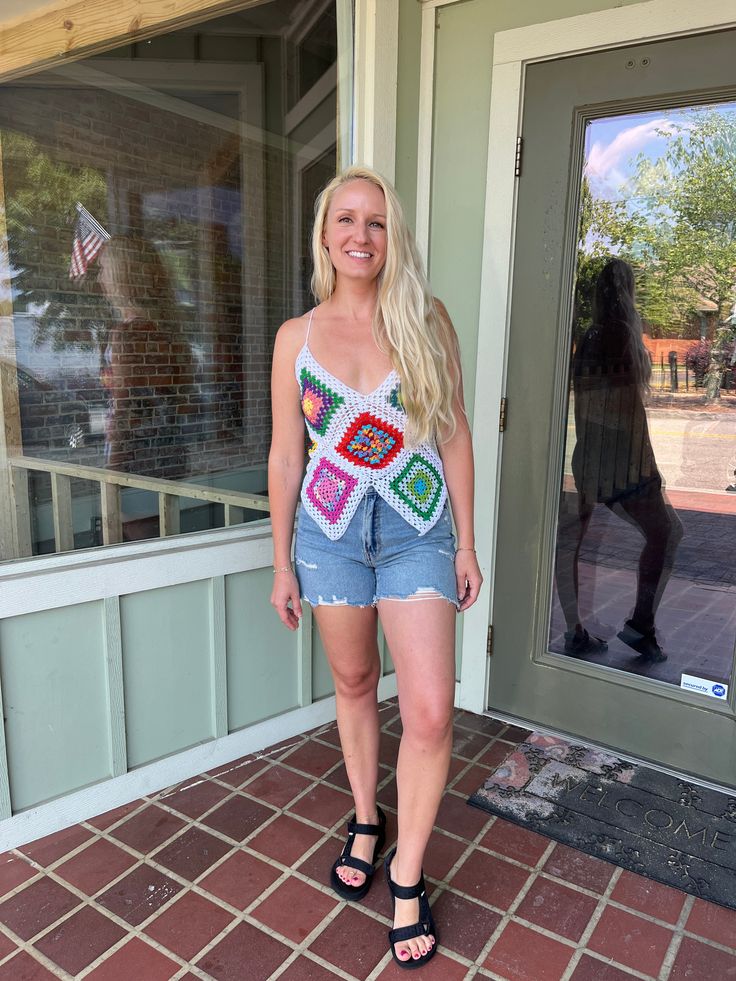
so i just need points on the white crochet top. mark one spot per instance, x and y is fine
(358, 442)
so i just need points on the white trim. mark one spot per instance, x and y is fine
(425, 129)
(433, 4)
(657, 19)
(376, 82)
(320, 91)
(88, 803)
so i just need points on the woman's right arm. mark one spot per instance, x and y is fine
(285, 468)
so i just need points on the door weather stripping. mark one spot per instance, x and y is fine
(519, 154)
(489, 641)
(502, 414)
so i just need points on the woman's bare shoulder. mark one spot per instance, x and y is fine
(292, 333)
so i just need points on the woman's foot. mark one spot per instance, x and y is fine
(353, 871)
(412, 918)
(579, 643)
(363, 848)
(643, 640)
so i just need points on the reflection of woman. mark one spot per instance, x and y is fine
(145, 363)
(613, 462)
(374, 538)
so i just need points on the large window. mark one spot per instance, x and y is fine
(153, 208)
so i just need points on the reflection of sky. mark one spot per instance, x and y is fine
(613, 144)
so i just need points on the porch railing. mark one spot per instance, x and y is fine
(110, 482)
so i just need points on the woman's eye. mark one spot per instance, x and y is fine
(376, 224)
(343, 219)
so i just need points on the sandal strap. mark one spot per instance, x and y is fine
(356, 863)
(363, 829)
(409, 932)
(407, 892)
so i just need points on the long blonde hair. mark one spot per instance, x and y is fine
(407, 323)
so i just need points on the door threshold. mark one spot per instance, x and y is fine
(516, 720)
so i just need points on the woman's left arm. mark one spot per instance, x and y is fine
(457, 462)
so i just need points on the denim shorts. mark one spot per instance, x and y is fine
(380, 556)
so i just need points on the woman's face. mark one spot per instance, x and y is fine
(355, 230)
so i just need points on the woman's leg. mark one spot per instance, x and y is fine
(349, 637)
(421, 637)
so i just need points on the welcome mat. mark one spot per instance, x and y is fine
(649, 822)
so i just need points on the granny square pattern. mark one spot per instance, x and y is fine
(370, 442)
(319, 403)
(419, 485)
(329, 490)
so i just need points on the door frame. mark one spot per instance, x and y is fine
(514, 49)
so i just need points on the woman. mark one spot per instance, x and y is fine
(374, 369)
(613, 462)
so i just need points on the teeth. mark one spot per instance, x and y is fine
(360, 255)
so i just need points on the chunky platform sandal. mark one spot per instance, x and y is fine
(343, 890)
(582, 644)
(420, 929)
(643, 642)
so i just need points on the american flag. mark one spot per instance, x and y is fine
(89, 237)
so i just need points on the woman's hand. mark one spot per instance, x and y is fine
(469, 578)
(286, 590)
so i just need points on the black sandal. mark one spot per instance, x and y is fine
(343, 890)
(422, 928)
(644, 642)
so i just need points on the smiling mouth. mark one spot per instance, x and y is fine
(360, 255)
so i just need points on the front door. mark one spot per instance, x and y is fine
(615, 587)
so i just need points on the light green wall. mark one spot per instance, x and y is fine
(407, 106)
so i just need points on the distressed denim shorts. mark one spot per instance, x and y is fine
(380, 556)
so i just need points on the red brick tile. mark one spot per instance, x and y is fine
(521, 954)
(244, 945)
(456, 765)
(630, 940)
(148, 829)
(442, 853)
(195, 797)
(440, 968)
(490, 879)
(50, 849)
(192, 853)
(494, 755)
(93, 868)
(235, 774)
(467, 744)
(713, 922)
(78, 941)
(329, 734)
(464, 927)
(557, 908)
(388, 795)
(456, 817)
(514, 842)
(479, 723)
(277, 786)
(294, 909)
(313, 758)
(36, 907)
(7, 946)
(353, 942)
(14, 871)
(650, 897)
(471, 780)
(139, 894)
(23, 967)
(580, 869)
(188, 925)
(323, 805)
(699, 962)
(238, 817)
(317, 865)
(285, 839)
(513, 734)
(104, 821)
(388, 749)
(136, 960)
(304, 969)
(589, 969)
(240, 879)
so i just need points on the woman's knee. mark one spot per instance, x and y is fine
(356, 681)
(428, 721)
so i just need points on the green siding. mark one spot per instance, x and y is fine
(167, 656)
(262, 666)
(407, 106)
(52, 666)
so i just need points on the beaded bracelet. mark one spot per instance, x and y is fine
(282, 568)
(464, 550)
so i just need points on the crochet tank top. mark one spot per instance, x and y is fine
(357, 442)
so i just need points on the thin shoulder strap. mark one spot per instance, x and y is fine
(309, 325)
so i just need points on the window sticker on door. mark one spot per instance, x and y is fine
(705, 686)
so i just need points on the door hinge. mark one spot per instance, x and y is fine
(489, 641)
(519, 155)
(502, 414)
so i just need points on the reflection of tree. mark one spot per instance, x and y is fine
(678, 220)
(41, 197)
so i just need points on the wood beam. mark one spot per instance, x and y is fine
(75, 28)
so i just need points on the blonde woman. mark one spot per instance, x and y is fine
(374, 371)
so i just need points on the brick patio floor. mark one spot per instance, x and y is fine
(225, 877)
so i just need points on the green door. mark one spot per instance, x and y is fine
(615, 587)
